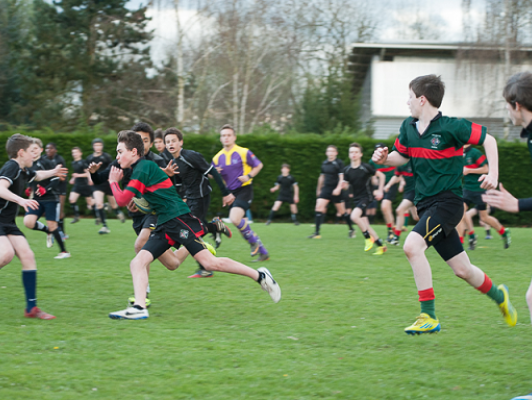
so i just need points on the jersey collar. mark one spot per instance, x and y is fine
(527, 131)
(438, 116)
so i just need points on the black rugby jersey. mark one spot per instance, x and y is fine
(18, 179)
(285, 185)
(360, 180)
(330, 170)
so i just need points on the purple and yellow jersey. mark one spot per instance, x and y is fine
(236, 162)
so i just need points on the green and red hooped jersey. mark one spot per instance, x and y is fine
(408, 175)
(150, 182)
(473, 159)
(385, 169)
(437, 154)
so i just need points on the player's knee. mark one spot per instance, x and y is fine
(28, 223)
(27, 257)
(411, 249)
(6, 257)
(462, 271)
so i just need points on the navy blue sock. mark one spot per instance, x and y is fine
(29, 280)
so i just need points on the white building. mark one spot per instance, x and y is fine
(474, 78)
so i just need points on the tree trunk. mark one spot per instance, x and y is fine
(179, 112)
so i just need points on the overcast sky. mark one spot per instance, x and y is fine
(447, 13)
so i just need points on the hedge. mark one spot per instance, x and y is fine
(305, 153)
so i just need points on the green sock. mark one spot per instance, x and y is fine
(428, 307)
(495, 294)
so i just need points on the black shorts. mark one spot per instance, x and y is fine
(372, 205)
(145, 221)
(82, 190)
(10, 229)
(243, 197)
(326, 193)
(51, 210)
(104, 187)
(62, 188)
(185, 230)
(285, 199)
(438, 217)
(391, 194)
(363, 204)
(410, 195)
(472, 197)
(199, 207)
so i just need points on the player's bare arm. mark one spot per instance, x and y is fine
(320, 185)
(296, 194)
(8, 195)
(393, 159)
(379, 193)
(338, 189)
(253, 173)
(58, 171)
(275, 188)
(490, 180)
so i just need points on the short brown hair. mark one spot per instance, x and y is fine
(37, 141)
(173, 131)
(132, 140)
(430, 86)
(158, 134)
(285, 165)
(333, 146)
(357, 146)
(17, 142)
(518, 89)
(227, 126)
(77, 148)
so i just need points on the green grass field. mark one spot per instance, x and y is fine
(336, 334)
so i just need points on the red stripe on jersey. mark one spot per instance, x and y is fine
(400, 148)
(404, 173)
(137, 185)
(476, 133)
(478, 163)
(387, 169)
(166, 184)
(420, 152)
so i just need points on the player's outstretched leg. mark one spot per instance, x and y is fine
(473, 275)
(224, 264)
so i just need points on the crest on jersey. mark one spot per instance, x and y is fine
(183, 234)
(435, 142)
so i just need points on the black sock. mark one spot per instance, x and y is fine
(272, 213)
(29, 280)
(101, 213)
(116, 210)
(294, 217)
(59, 239)
(379, 242)
(211, 227)
(75, 207)
(61, 224)
(319, 217)
(366, 234)
(261, 276)
(371, 219)
(138, 307)
(39, 226)
(347, 219)
(488, 232)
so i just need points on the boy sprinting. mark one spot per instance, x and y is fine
(175, 225)
(358, 175)
(434, 145)
(14, 176)
(285, 183)
(46, 192)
